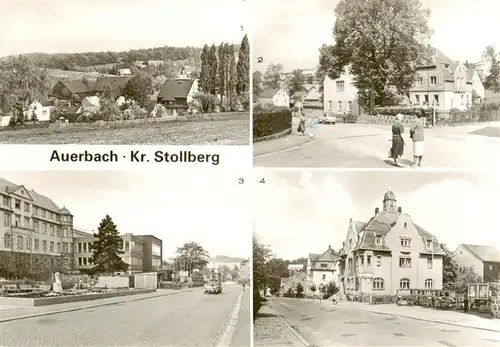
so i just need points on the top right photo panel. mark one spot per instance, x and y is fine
(401, 84)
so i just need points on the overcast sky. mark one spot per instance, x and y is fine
(176, 206)
(301, 212)
(116, 25)
(291, 31)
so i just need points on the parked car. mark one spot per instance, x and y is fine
(213, 287)
(328, 118)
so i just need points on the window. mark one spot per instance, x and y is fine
(6, 241)
(420, 81)
(80, 262)
(59, 247)
(404, 283)
(379, 261)
(361, 260)
(428, 243)
(339, 106)
(29, 243)
(79, 247)
(36, 226)
(349, 263)
(405, 242)
(84, 247)
(330, 106)
(45, 228)
(433, 80)
(127, 246)
(378, 283)
(26, 223)
(58, 232)
(323, 277)
(18, 204)
(65, 247)
(37, 245)
(44, 246)
(429, 263)
(323, 265)
(51, 230)
(369, 260)
(7, 219)
(417, 99)
(17, 220)
(20, 242)
(429, 283)
(461, 99)
(405, 262)
(51, 246)
(436, 99)
(6, 201)
(490, 267)
(340, 86)
(349, 105)
(65, 232)
(426, 99)
(378, 240)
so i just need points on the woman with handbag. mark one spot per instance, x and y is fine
(398, 143)
(417, 135)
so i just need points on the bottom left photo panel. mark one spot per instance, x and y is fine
(124, 258)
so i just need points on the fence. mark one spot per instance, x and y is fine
(271, 123)
(100, 123)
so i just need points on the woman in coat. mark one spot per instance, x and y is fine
(398, 144)
(302, 122)
(417, 135)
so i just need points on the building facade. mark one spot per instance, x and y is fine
(484, 260)
(322, 268)
(340, 95)
(278, 97)
(152, 252)
(389, 253)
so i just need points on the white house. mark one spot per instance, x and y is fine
(278, 97)
(323, 268)
(40, 110)
(339, 95)
(124, 72)
(477, 85)
(92, 103)
(4, 121)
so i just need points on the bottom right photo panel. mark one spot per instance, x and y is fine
(376, 258)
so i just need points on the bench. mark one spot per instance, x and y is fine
(44, 288)
(26, 288)
(10, 288)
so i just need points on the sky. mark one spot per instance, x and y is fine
(291, 31)
(175, 205)
(116, 25)
(302, 212)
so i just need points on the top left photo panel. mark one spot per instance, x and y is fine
(124, 72)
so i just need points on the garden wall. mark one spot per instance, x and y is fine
(271, 124)
(29, 302)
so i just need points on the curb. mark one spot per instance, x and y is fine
(307, 140)
(430, 320)
(34, 315)
(273, 136)
(228, 333)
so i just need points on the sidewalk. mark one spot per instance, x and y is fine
(269, 330)
(276, 145)
(427, 314)
(8, 313)
(241, 337)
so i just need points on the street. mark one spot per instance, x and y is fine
(185, 319)
(326, 324)
(367, 145)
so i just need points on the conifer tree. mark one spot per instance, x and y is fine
(106, 250)
(204, 80)
(243, 68)
(213, 63)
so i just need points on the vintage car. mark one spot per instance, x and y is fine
(213, 287)
(328, 118)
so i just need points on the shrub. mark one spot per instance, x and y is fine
(256, 302)
(271, 122)
(407, 111)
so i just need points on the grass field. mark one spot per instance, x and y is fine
(220, 132)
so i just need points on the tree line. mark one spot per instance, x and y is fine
(221, 74)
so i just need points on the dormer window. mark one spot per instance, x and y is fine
(323, 265)
(428, 243)
(378, 239)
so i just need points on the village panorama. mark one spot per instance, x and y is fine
(162, 95)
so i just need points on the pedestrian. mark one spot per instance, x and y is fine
(417, 135)
(398, 143)
(302, 123)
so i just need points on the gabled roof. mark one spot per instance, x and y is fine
(175, 89)
(93, 100)
(328, 256)
(38, 199)
(76, 86)
(113, 81)
(268, 93)
(485, 253)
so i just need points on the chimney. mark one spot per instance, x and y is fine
(400, 210)
(377, 210)
(343, 245)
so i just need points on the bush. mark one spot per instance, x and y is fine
(257, 304)
(383, 299)
(407, 111)
(270, 123)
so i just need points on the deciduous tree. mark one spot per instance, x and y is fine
(107, 248)
(139, 88)
(193, 256)
(381, 42)
(296, 82)
(492, 81)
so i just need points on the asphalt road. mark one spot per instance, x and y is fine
(367, 145)
(328, 325)
(185, 319)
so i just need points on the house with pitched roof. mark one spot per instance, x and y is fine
(322, 268)
(40, 109)
(177, 94)
(340, 95)
(445, 84)
(389, 252)
(71, 90)
(485, 260)
(277, 97)
(116, 83)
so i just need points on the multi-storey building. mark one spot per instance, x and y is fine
(37, 238)
(484, 260)
(389, 253)
(322, 268)
(36, 234)
(340, 95)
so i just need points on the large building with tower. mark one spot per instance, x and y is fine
(37, 238)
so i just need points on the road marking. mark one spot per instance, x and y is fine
(227, 335)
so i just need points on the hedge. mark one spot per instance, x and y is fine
(406, 111)
(267, 123)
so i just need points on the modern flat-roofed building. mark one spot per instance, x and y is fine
(152, 252)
